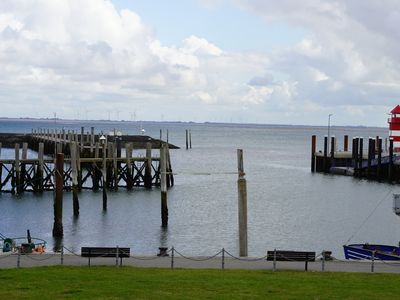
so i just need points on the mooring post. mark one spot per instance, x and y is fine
(242, 204)
(370, 152)
(187, 137)
(164, 204)
(17, 170)
(147, 171)
(91, 139)
(82, 139)
(313, 150)
(333, 148)
(360, 157)
(379, 166)
(346, 143)
(190, 138)
(58, 199)
(390, 171)
(104, 176)
(129, 176)
(355, 155)
(74, 174)
(40, 168)
(325, 162)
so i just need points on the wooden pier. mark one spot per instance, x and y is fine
(368, 158)
(92, 161)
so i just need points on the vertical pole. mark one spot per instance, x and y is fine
(187, 142)
(370, 152)
(167, 137)
(172, 257)
(163, 170)
(313, 150)
(74, 174)
(116, 256)
(373, 262)
(360, 157)
(62, 254)
(323, 261)
(82, 139)
(242, 205)
(390, 172)
(379, 166)
(40, 169)
(346, 143)
(147, 171)
(223, 259)
(58, 199)
(274, 263)
(23, 164)
(95, 171)
(355, 155)
(325, 162)
(91, 139)
(129, 177)
(17, 168)
(104, 177)
(19, 258)
(333, 146)
(190, 139)
(115, 165)
(1, 169)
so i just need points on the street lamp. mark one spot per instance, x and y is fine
(329, 128)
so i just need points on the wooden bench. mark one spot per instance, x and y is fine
(284, 255)
(116, 252)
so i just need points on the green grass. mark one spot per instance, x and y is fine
(136, 283)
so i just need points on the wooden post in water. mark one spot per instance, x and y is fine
(346, 143)
(333, 147)
(104, 177)
(82, 139)
(390, 171)
(360, 157)
(379, 166)
(325, 161)
(354, 156)
(115, 166)
(190, 139)
(78, 166)
(163, 170)
(40, 168)
(242, 205)
(58, 198)
(129, 177)
(147, 171)
(91, 139)
(23, 164)
(1, 169)
(74, 174)
(17, 174)
(187, 137)
(370, 152)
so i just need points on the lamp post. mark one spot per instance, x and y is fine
(329, 128)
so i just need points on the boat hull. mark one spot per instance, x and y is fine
(367, 251)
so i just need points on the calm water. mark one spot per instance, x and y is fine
(288, 206)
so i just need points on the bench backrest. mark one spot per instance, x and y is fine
(105, 252)
(283, 255)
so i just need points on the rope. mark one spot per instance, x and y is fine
(198, 259)
(367, 218)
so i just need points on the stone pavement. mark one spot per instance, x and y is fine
(217, 262)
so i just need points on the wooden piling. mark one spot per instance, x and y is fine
(91, 139)
(164, 204)
(147, 171)
(354, 155)
(58, 199)
(333, 148)
(313, 151)
(115, 166)
(1, 169)
(187, 139)
(325, 161)
(129, 175)
(346, 143)
(74, 174)
(360, 157)
(190, 139)
(82, 138)
(390, 170)
(17, 172)
(370, 153)
(379, 165)
(95, 169)
(40, 168)
(23, 165)
(242, 205)
(104, 177)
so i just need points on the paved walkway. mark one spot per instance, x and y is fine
(50, 259)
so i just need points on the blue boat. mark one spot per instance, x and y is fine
(367, 251)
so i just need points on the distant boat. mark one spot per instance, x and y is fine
(142, 131)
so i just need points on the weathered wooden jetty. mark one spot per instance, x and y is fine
(367, 158)
(92, 161)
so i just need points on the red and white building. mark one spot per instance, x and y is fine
(394, 127)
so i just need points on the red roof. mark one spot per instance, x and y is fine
(396, 110)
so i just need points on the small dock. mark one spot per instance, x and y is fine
(89, 158)
(366, 158)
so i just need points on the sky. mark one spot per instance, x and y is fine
(242, 61)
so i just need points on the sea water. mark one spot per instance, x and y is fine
(289, 207)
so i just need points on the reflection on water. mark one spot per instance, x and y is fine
(288, 206)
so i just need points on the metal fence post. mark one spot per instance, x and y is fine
(172, 257)
(373, 262)
(62, 255)
(223, 259)
(274, 263)
(19, 258)
(323, 261)
(116, 257)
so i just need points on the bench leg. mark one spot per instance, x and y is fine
(89, 261)
(306, 266)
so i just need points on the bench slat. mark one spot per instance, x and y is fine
(283, 255)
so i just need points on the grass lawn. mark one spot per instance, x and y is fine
(137, 283)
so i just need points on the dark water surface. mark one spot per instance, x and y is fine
(288, 206)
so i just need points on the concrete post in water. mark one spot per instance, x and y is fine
(74, 174)
(104, 176)
(313, 150)
(346, 143)
(242, 205)
(390, 171)
(325, 161)
(163, 175)
(58, 199)
(379, 166)
(147, 171)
